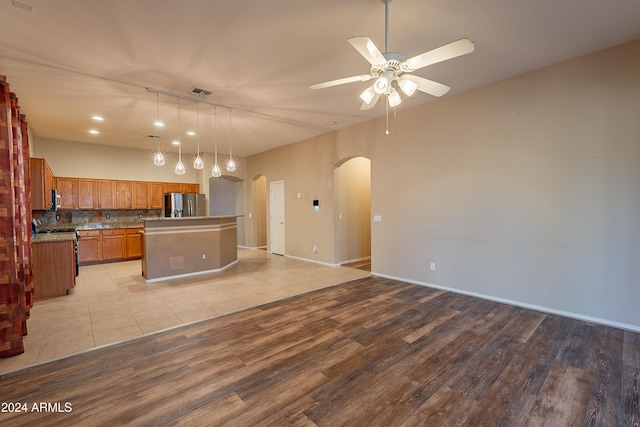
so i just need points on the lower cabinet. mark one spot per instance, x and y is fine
(133, 243)
(109, 245)
(54, 268)
(90, 246)
(113, 244)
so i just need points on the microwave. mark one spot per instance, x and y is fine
(56, 200)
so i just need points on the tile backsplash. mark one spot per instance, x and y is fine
(94, 217)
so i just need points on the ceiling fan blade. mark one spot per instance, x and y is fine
(371, 53)
(428, 86)
(371, 104)
(442, 53)
(361, 78)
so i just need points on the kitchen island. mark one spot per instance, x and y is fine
(187, 246)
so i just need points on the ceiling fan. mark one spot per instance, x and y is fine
(391, 71)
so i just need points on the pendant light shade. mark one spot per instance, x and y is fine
(198, 163)
(180, 169)
(158, 158)
(231, 164)
(215, 171)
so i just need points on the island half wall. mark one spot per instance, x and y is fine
(180, 247)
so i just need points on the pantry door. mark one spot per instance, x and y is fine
(276, 217)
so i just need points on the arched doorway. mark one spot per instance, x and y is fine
(257, 221)
(352, 184)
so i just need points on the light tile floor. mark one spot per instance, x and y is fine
(113, 303)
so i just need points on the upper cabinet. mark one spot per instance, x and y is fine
(191, 188)
(140, 195)
(42, 182)
(106, 194)
(173, 187)
(67, 190)
(176, 187)
(156, 195)
(91, 194)
(86, 195)
(124, 198)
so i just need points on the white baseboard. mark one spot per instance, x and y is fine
(311, 260)
(367, 258)
(605, 322)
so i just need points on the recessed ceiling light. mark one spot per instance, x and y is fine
(158, 123)
(190, 133)
(176, 143)
(98, 118)
(94, 132)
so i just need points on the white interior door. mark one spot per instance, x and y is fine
(276, 216)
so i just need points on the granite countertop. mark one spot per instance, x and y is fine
(107, 225)
(53, 237)
(93, 226)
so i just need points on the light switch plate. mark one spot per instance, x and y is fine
(377, 218)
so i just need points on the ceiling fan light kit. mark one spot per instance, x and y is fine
(391, 71)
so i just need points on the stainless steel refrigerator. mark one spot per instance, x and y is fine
(184, 204)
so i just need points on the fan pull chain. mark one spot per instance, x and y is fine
(387, 105)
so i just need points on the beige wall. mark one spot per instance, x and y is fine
(352, 185)
(80, 160)
(526, 190)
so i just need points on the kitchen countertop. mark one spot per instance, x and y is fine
(93, 226)
(182, 218)
(53, 237)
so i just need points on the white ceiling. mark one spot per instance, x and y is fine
(70, 59)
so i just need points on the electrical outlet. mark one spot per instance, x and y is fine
(57, 217)
(432, 266)
(315, 249)
(108, 216)
(204, 256)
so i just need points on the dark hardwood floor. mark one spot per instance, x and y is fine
(364, 353)
(364, 265)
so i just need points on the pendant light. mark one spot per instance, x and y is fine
(180, 169)
(158, 158)
(197, 163)
(231, 164)
(215, 171)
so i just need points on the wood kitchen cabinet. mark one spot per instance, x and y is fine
(191, 188)
(42, 182)
(172, 187)
(86, 195)
(67, 190)
(133, 243)
(176, 187)
(106, 192)
(140, 195)
(124, 199)
(109, 245)
(92, 194)
(156, 195)
(54, 268)
(89, 246)
(113, 244)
